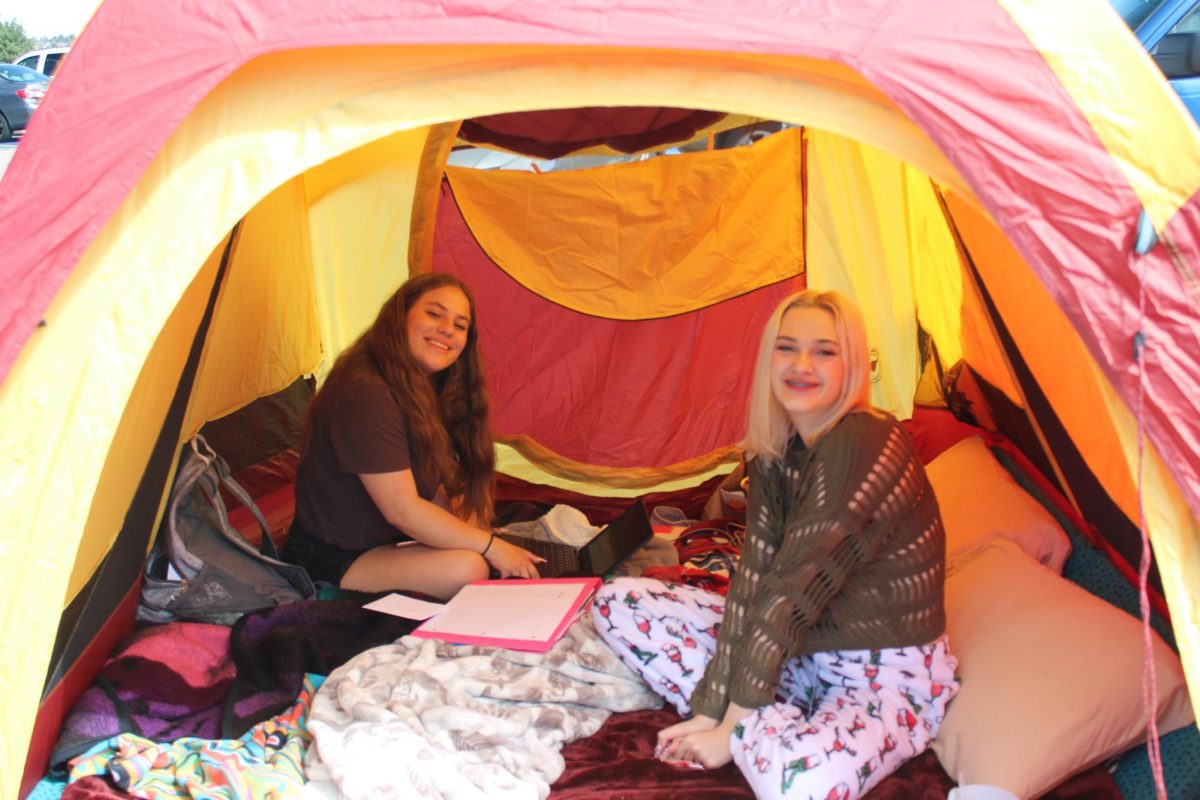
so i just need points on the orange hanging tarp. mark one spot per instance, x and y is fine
(647, 240)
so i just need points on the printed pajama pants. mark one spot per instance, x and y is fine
(843, 720)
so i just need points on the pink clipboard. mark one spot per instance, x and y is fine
(518, 614)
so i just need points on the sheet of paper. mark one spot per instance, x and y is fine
(519, 610)
(399, 605)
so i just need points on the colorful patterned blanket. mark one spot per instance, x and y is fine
(267, 761)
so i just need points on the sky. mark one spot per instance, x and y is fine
(48, 17)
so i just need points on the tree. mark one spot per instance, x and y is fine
(13, 41)
(61, 40)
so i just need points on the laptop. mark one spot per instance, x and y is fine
(603, 553)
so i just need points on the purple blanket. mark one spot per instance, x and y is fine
(195, 679)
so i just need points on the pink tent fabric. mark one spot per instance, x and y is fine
(1012, 132)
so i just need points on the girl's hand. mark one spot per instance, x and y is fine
(670, 740)
(701, 740)
(512, 561)
(708, 748)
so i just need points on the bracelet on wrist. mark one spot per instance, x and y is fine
(491, 538)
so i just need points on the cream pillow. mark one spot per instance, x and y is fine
(980, 500)
(1051, 676)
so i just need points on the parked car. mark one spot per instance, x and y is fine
(21, 90)
(44, 61)
(1170, 31)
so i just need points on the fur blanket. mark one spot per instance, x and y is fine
(422, 718)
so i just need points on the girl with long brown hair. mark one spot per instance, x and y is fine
(394, 489)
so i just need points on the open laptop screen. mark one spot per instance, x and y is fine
(624, 535)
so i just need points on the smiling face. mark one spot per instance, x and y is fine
(807, 367)
(437, 326)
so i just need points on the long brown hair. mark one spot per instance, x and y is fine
(446, 412)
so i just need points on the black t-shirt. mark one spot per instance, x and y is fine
(362, 430)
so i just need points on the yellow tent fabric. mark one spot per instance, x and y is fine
(337, 161)
(318, 130)
(265, 332)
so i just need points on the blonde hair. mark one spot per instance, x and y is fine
(770, 427)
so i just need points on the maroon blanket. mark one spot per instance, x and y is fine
(617, 763)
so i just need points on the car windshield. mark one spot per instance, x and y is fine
(1134, 12)
(18, 74)
(1190, 23)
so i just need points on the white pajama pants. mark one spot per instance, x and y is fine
(842, 721)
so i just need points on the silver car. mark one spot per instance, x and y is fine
(21, 90)
(45, 61)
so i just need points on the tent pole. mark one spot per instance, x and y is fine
(430, 169)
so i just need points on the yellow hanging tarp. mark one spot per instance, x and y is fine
(645, 240)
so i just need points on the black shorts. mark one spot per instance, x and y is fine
(324, 562)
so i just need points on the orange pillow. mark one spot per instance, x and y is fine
(1051, 675)
(980, 501)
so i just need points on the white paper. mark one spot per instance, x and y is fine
(399, 605)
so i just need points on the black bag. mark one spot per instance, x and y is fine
(201, 568)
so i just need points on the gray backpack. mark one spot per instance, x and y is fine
(201, 568)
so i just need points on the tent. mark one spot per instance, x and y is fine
(195, 223)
